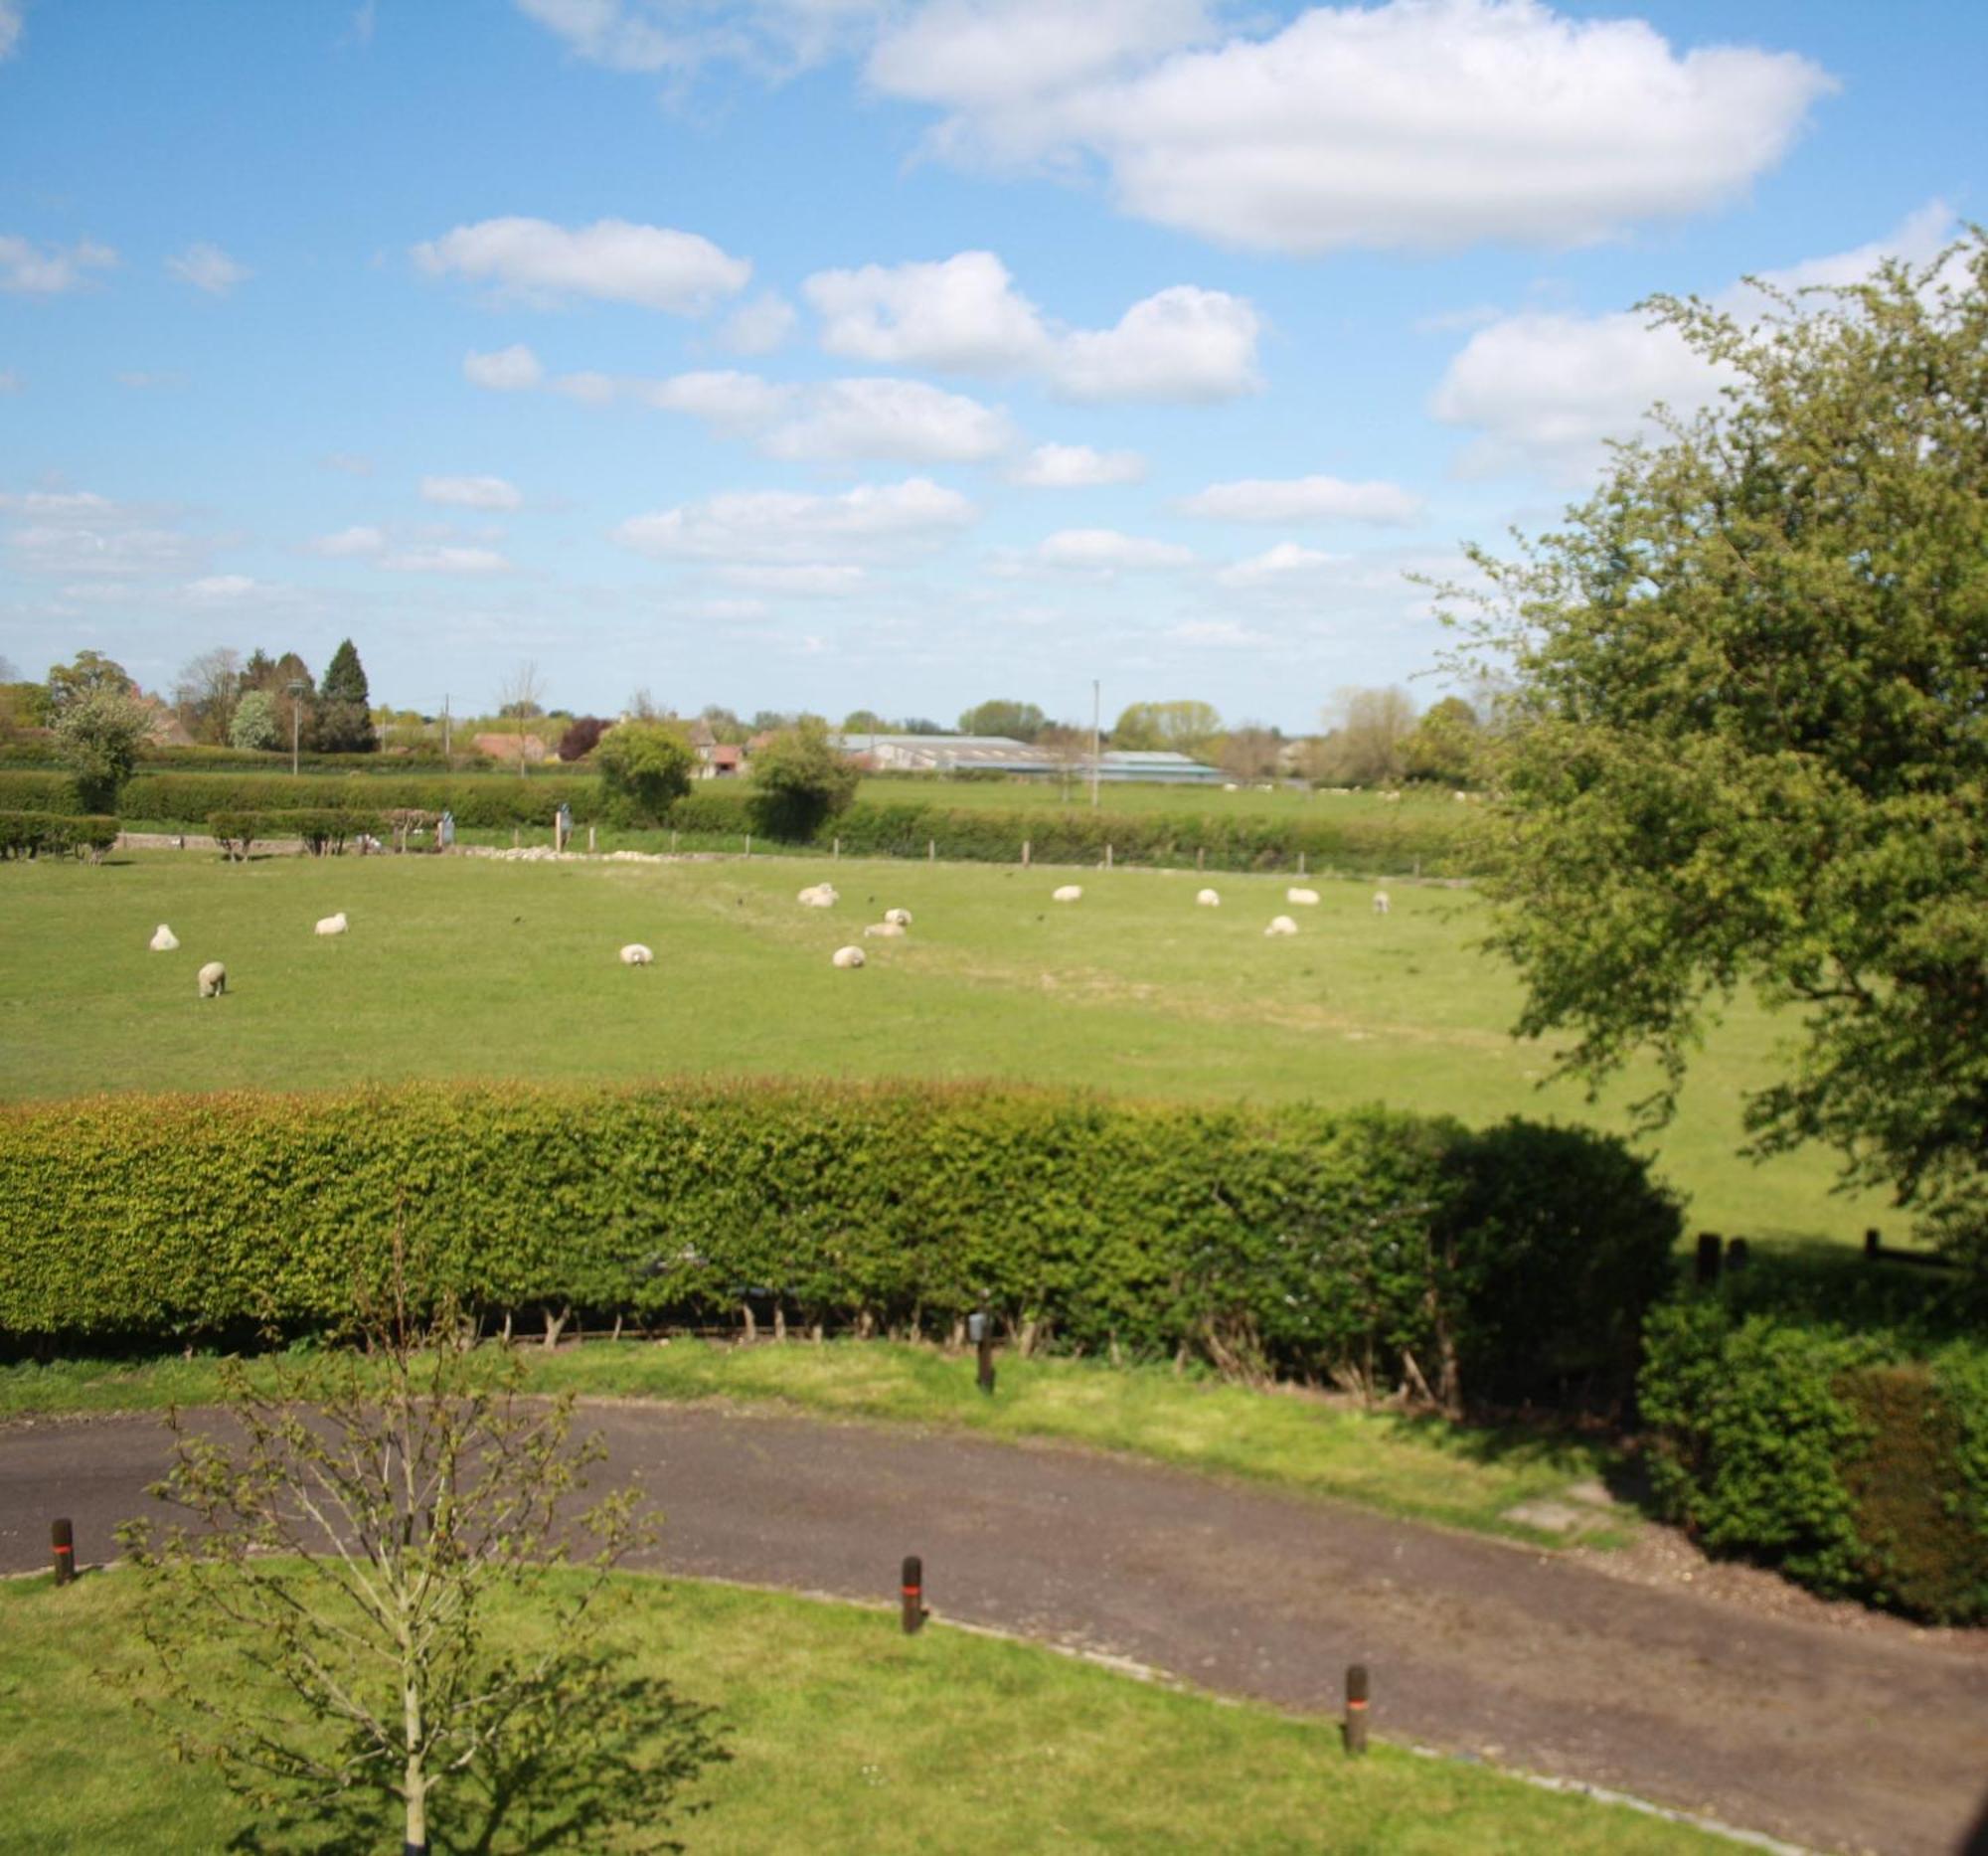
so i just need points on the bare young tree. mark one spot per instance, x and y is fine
(523, 695)
(385, 1542)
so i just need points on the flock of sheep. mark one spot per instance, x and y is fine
(213, 977)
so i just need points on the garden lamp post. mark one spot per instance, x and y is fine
(296, 719)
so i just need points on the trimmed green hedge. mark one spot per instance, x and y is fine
(1829, 1454)
(1294, 1242)
(1372, 839)
(56, 834)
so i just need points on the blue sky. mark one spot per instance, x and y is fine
(819, 353)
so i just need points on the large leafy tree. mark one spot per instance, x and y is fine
(1748, 741)
(345, 704)
(91, 674)
(1004, 716)
(98, 737)
(800, 781)
(1189, 727)
(644, 767)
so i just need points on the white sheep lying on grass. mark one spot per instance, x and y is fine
(1307, 899)
(164, 940)
(1380, 901)
(884, 930)
(1281, 924)
(899, 918)
(213, 980)
(1207, 899)
(333, 925)
(818, 895)
(1069, 893)
(635, 954)
(847, 956)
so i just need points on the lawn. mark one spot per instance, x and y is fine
(472, 967)
(1421, 1468)
(1140, 798)
(844, 1735)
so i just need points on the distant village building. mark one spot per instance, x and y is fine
(508, 748)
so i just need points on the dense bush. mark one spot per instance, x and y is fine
(1827, 1453)
(1297, 1242)
(38, 791)
(56, 834)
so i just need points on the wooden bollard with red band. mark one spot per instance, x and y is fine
(1356, 1708)
(63, 1539)
(913, 1591)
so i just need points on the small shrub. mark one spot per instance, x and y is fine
(56, 834)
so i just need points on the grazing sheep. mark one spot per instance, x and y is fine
(635, 954)
(164, 940)
(213, 980)
(899, 918)
(1380, 901)
(1209, 900)
(333, 925)
(1069, 893)
(847, 956)
(1281, 924)
(1305, 898)
(884, 930)
(818, 895)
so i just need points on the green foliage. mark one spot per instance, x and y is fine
(800, 781)
(1826, 1453)
(37, 791)
(478, 801)
(91, 674)
(256, 724)
(98, 737)
(1447, 747)
(645, 767)
(1188, 728)
(53, 834)
(342, 722)
(1002, 714)
(25, 705)
(1746, 746)
(1294, 1242)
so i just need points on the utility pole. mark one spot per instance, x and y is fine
(1096, 739)
(444, 725)
(296, 719)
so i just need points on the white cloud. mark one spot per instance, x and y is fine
(613, 260)
(141, 379)
(1287, 560)
(1077, 466)
(773, 36)
(347, 464)
(1547, 392)
(26, 271)
(1183, 343)
(225, 588)
(1416, 124)
(1106, 550)
(446, 560)
(822, 421)
(10, 28)
(349, 544)
(890, 418)
(504, 370)
(1224, 634)
(1304, 499)
(818, 580)
(208, 267)
(760, 326)
(964, 315)
(472, 492)
(785, 526)
(79, 535)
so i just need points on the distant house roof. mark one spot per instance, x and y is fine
(508, 747)
(726, 755)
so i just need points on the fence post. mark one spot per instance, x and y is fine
(1873, 1245)
(932, 849)
(1107, 857)
(1301, 862)
(589, 839)
(514, 837)
(838, 847)
(1356, 1709)
(1199, 853)
(1738, 1253)
(1025, 853)
(748, 844)
(1709, 1244)
(62, 1540)
(913, 1591)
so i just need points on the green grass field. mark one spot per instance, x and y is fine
(1142, 798)
(844, 1735)
(1419, 1467)
(471, 967)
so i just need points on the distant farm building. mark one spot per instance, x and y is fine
(996, 753)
